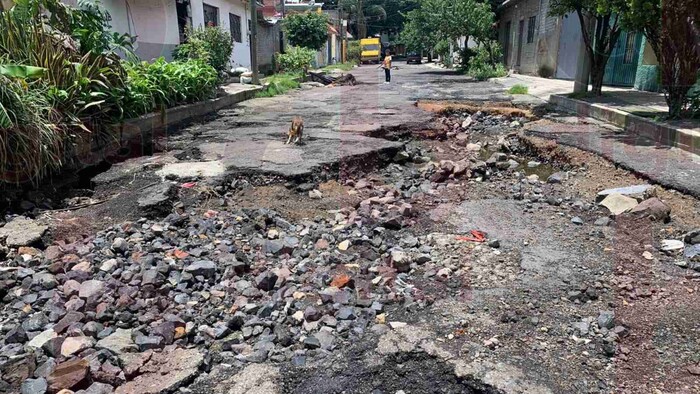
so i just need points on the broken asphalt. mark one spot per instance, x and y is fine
(341, 265)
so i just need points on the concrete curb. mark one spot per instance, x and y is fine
(134, 128)
(685, 139)
(136, 137)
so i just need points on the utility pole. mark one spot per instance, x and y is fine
(282, 32)
(254, 40)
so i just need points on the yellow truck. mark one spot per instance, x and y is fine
(371, 50)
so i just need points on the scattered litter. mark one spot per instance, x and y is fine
(647, 255)
(672, 245)
(188, 185)
(476, 236)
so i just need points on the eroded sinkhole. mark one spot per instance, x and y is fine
(414, 372)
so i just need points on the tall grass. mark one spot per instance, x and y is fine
(31, 137)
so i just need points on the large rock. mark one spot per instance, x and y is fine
(21, 232)
(266, 280)
(630, 191)
(118, 342)
(34, 386)
(91, 289)
(99, 388)
(71, 375)
(204, 268)
(653, 208)
(165, 372)
(17, 369)
(75, 345)
(157, 199)
(692, 237)
(38, 341)
(618, 203)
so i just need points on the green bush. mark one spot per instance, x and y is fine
(213, 45)
(483, 65)
(279, 84)
(158, 85)
(354, 52)
(442, 49)
(297, 59)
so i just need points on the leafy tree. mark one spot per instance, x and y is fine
(600, 26)
(466, 18)
(308, 30)
(442, 21)
(679, 52)
(418, 34)
(668, 28)
(645, 16)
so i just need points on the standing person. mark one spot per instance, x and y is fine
(386, 65)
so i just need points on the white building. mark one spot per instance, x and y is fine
(159, 25)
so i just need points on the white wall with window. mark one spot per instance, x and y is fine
(152, 22)
(231, 15)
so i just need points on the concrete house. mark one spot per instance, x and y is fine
(538, 44)
(159, 25)
(530, 39)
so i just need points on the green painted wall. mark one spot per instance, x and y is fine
(647, 77)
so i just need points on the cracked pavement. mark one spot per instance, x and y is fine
(349, 264)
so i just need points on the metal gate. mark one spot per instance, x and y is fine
(621, 69)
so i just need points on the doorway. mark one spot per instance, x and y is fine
(183, 17)
(521, 29)
(506, 44)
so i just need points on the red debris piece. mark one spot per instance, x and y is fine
(476, 236)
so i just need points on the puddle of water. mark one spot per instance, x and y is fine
(543, 170)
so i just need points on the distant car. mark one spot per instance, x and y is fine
(413, 57)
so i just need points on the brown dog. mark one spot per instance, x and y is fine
(295, 130)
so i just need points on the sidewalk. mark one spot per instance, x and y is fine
(543, 88)
(634, 111)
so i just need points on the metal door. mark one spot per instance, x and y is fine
(621, 69)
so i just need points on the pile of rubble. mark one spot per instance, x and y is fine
(113, 311)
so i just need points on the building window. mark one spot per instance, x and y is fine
(630, 47)
(531, 29)
(235, 22)
(211, 15)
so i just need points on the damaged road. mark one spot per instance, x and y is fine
(418, 242)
